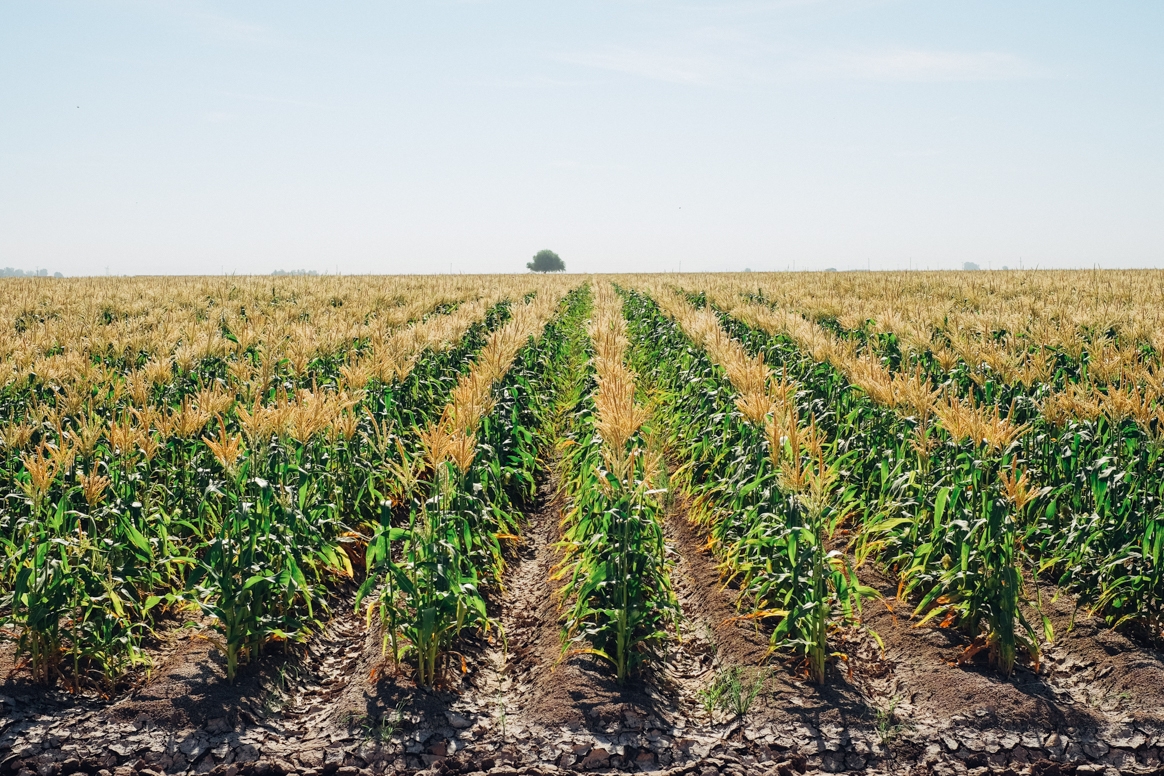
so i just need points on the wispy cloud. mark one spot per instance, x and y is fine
(273, 100)
(678, 68)
(214, 24)
(762, 6)
(740, 64)
(233, 30)
(917, 65)
(918, 153)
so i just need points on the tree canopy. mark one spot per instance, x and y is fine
(547, 261)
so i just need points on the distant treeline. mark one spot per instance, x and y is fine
(294, 272)
(9, 272)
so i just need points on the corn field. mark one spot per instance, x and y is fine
(255, 459)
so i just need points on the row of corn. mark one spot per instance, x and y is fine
(1005, 322)
(617, 597)
(764, 476)
(440, 546)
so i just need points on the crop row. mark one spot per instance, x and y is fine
(619, 602)
(766, 481)
(167, 393)
(428, 574)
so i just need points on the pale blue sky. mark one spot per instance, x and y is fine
(196, 136)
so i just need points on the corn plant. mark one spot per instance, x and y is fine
(43, 593)
(252, 580)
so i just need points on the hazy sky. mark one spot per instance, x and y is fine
(192, 137)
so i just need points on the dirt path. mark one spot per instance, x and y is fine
(564, 712)
(789, 721)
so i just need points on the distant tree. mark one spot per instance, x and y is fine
(546, 261)
(9, 272)
(970, 266)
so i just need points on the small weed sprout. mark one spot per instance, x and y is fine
(733, 691)
(388, 725)
(886, 723)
